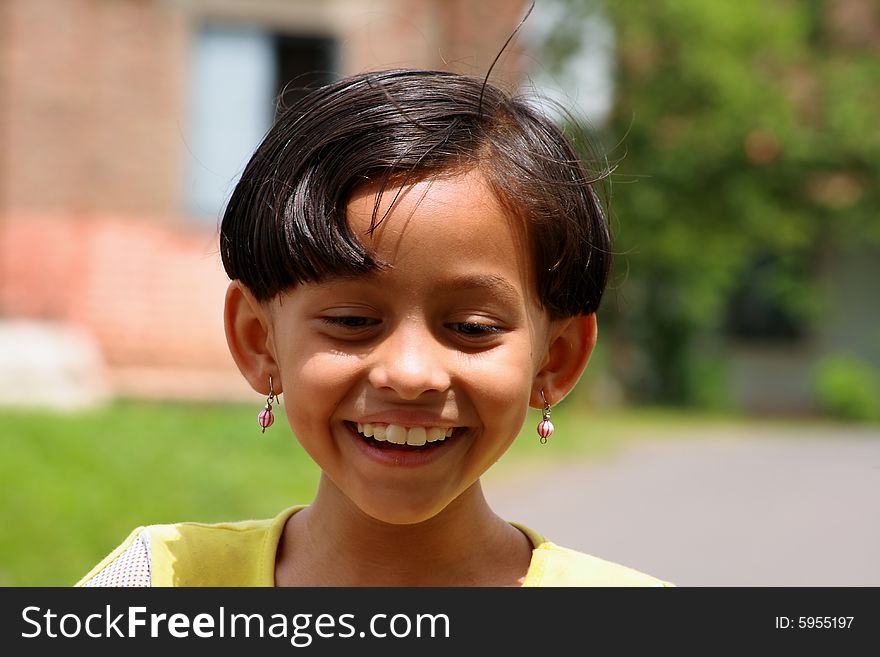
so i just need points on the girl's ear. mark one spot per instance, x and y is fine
(571, 343)
(248, 336)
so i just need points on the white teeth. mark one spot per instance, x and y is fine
(400, 435)
(396, 434)
(416, 436)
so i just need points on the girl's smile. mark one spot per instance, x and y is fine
(406, 384)
(383, 444)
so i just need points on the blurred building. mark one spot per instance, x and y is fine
(123, 126)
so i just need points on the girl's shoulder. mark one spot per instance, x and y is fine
(554, 565)
(194, 554)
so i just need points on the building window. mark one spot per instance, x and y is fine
(303, 62)
(238, 77)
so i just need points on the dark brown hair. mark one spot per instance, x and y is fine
(286, 220)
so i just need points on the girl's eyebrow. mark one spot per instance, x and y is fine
(497, 285)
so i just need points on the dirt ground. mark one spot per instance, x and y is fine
(795, 506)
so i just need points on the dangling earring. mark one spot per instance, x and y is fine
(545, 426)
(266, 418)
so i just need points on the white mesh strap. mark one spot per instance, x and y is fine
(131, 568)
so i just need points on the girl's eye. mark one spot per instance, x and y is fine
(475, 329)
(349, 326)
(351, 322)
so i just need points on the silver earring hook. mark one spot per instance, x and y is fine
(272, 398)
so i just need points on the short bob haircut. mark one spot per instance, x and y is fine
(286, 223)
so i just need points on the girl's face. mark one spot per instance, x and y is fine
(407, 384)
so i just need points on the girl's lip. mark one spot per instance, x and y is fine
(401, 455)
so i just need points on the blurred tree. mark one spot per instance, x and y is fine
(745, 134)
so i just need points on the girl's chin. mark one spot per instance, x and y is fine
(407, 501)
(394, 515)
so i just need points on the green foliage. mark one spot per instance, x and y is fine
(746, 131)
(848, 389)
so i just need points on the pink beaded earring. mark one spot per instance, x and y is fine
(545, 426)
(266, 418)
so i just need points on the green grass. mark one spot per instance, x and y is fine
(75, 485)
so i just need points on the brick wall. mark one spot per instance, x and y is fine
(151, 296)
(91, 96)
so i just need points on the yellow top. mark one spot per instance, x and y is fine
(243, 554)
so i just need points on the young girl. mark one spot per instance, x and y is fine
(416, 258)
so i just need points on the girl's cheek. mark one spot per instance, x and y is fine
(504, 379)
(328, 369)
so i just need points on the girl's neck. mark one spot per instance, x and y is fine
(333, 543)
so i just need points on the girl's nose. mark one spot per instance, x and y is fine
(410, 362)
